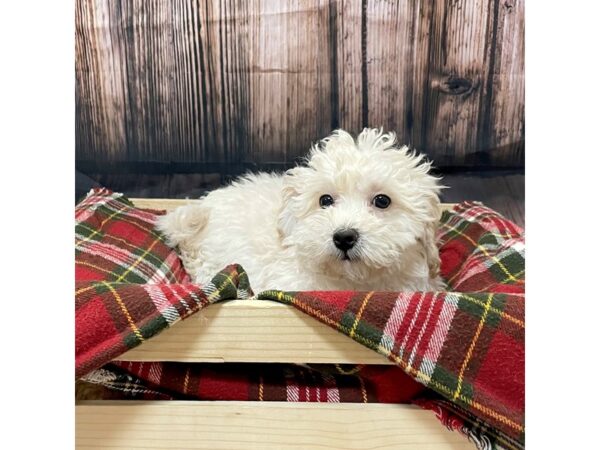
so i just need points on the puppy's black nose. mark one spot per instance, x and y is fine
(345, 239)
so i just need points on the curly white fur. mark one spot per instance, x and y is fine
(273, 225)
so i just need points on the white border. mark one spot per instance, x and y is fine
(37, 178)
(562, 176)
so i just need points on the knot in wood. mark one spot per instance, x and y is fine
(509, 5)
(456, 85)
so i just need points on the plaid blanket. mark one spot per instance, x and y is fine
(466, 345)
(256, 382)
(129, 285)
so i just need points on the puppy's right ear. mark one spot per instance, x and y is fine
(291, 208)
(182, 225)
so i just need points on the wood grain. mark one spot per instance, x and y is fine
(457, 67)
(253, 331)
(390, 27)
(289, 71)
(505, 127)
(256, 82)
(505, 193)
(346, 43)
(260, 426)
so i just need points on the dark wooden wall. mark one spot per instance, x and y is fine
(230, 83)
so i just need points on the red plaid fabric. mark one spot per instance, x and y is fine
(455, 418)
(257, 382)
(481, 251)
(466, 344)
(129, 284)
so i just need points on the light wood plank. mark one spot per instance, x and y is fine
(253, 331)
(168, 204)
(260, 425)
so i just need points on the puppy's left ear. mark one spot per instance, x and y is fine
(428, 239)
(430, 248)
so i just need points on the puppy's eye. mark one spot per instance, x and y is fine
(325, 201)
(381, 201)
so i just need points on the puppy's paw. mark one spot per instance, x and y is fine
(183, 225)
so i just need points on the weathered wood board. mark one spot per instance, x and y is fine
(230, 84)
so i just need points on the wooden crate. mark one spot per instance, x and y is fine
(255, 331)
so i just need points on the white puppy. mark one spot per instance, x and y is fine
(360, 215)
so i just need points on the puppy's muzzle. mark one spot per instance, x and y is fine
(345, 239)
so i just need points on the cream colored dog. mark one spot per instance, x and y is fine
(360, 215)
